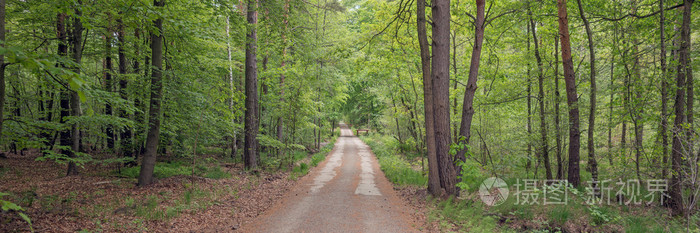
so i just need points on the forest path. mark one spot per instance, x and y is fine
(345, 193)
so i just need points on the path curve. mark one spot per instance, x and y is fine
(345, 193)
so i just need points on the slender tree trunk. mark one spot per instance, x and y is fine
(664, 90)
(2, 65)
(108, 70)
(637, 115)
(455, 130)
(232, 89)
(76, 53)
(125, 135)
(592, 162)
(66, 139)
(557, 98)
(544, 147)
(138, 116)
(251, 90)
(529, 108)
(440, 73)
(434, 186)
(612, 101)
(468, 103)
(677, 151)
(571, 96)
(283, 63)
(152, 139)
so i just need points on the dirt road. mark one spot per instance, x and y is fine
(345, 193)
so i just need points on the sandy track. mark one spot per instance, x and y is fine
(345, 193)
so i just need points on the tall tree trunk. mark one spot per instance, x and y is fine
(529, 108)
(544, 147)
(455, 130)
(440, 73)
(152, 139)
(612, 101)
(283, 64)
(2, 65)
(125, 135)
(468, 103)
(76, 53)
(108, 70)
(434, 186)
(232, 89)
(250, 153)
(592, 162)
(557, 98)
(677, 150)
(571, 96)
(66, 139)
(664, 90)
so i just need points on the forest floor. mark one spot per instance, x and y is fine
(100, 201)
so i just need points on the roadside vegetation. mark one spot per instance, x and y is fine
(468, 213)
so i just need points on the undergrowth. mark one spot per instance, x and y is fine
(394, 166)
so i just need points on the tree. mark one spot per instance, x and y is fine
(250, 153)
(592, 163)
(440, 74)
(125, 135)
(149, 158)
(544, 148)
(434, 186)
(664, 90)
(468, 103)
(571, 96)
(678, 149)
(2, 65)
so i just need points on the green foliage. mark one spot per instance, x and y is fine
(466, 214)
(301, 170)
(319, 156)
(217, 173)
(471, 176)
(165, 170)
(560, 215)
(602, 215)
(396, 169)
(10, 206)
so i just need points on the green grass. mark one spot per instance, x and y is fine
(165, 170)
(217, 173)
(394, 166)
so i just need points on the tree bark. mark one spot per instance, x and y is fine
(664, 90)
(677, 151)
(440, 74)
(592, 162)
(65, 98)
(250, 153)
(2, 65)
(108, 70)
(153, 136)
(468, 103)
(571, 96)
(529, 108)
(125, 135)
(557, 98)
(434, 186)
(544, 147)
